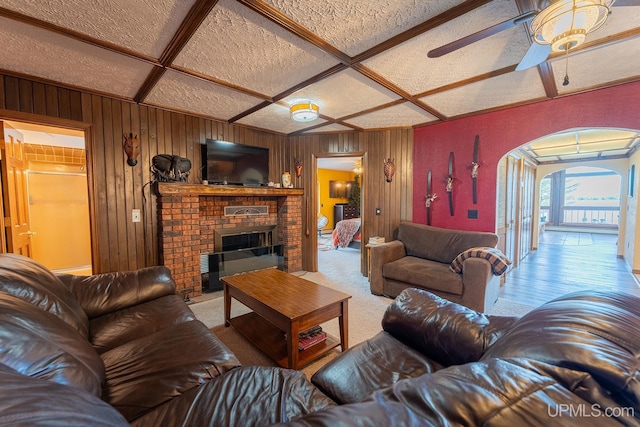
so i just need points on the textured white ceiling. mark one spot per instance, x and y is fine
(331, 127)
(339, 53)
(505, 89)
(401, 115)
(186, 93)
(238, 46)
(408, 66)
(357, 25)
(145, 26)
(31, 50)
(588, 70)
(345, 93)
(276, 117)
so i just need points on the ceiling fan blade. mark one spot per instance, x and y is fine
(482, 34)
(537, 54)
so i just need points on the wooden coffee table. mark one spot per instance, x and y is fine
(283, 305)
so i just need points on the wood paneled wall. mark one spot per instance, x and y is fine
(116, 189)
(394, 199)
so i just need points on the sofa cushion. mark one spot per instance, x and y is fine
(376, 363)
(247, 396)
(104, 293)
(34, 283)
(423, 273)
(441, 244)
(38, 344)
(499, 393)
(446, 332)
(499, 262)
(119, 327)
(588, 331)
(151, 370)
(29, 402)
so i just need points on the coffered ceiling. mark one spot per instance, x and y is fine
(363, 62)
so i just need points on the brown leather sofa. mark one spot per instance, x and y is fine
(421, 257)
(570, 362)
(122, 348)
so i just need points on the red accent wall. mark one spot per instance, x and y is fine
(500, 132)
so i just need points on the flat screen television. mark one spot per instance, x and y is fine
(226, 163)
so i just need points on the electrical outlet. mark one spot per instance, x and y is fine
(135, 215)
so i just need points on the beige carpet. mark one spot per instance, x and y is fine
(339, 269)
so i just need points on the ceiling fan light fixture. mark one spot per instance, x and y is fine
(564, 24)
(306, 111)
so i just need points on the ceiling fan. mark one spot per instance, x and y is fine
(557, 25)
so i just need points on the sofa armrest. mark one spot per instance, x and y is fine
(108, 292)
(481, 287)
(449, 333)
(380, 255)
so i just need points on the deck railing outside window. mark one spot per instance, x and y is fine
(585, 215)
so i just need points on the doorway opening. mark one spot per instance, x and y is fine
(581, 198)
(568, 182)
(56, 197)
(339, 219)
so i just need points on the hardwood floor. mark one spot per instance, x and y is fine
(566, 262)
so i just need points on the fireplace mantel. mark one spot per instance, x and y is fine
(170, 188)
(189, 215)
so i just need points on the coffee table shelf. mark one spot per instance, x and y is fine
(273, 343)
(285, 304)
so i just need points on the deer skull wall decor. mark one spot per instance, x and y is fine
(389, 169)
(298, 165)
(131, 147)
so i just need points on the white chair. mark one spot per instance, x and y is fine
(322, 223)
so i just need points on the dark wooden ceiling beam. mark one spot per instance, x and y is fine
(282, 95)
(474, 79)
(373, 109)
(219, 82)
(298, 30)
(250, 111)
(326, 73)
(190, 24)
(548, 79)
(284, 21)
(395, 89)
(545, 72)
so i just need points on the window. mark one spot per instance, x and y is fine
(581, 196)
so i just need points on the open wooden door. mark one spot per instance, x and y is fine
(14, 192)
(511, 210)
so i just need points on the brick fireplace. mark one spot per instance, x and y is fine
(189, 214)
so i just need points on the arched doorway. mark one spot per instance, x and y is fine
(520, 213)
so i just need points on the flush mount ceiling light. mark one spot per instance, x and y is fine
(304, 111)
(564, 24)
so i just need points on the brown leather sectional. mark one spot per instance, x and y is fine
(121, 348)
(572, 362)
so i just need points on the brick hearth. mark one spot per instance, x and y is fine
(188, 214)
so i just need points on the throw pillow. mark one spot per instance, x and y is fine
(499, 262)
